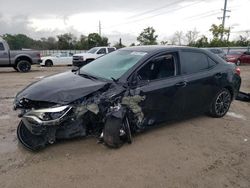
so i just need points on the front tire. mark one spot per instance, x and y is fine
(23, 66)
(48, 63)
(29, 140)
(116, 132)
(220, 104)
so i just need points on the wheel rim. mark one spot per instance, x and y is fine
(49, 64)
(222, 103)
(24, 67)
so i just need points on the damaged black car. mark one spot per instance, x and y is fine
(125, 92)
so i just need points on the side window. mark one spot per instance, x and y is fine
(1, 47)
(160, 67)
(211, 63)
(193, 62)
(111, 50)
(63, 54)
(102, 51)
(214, 51)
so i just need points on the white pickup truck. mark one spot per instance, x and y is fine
(84, 58)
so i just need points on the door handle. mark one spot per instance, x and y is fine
(5, 53)
(218, 75)
(181, 84)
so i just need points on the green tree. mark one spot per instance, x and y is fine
(218, 30)
(201, 42)
(82, 44)
(19, 41)
(147, 37)
(94, 39)
(66, 41)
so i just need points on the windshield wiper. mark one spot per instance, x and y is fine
(88, 76)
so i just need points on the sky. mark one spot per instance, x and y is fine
(120, 18)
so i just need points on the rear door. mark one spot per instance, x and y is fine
(4, 55)
(199, 72)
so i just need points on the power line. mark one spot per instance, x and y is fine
(150, 17)
(203, 15)
(153, 10)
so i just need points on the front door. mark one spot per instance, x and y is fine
(4, 55)
(162, 87)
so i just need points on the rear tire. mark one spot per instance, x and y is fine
(23, 66)
(220, 104)
(48, 63)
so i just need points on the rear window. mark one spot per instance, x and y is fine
(1, 47)
(193, 62)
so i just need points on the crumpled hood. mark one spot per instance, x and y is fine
(61, 88)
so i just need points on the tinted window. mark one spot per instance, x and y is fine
(1, 47)
(102, 51)
(193, 62)
(214, 51)
(111, 50)
(211, 62)
(158, 68)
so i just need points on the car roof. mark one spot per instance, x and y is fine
(153, 48)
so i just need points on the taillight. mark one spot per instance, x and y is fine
(237, 70)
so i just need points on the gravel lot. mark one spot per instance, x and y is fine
(197, 152)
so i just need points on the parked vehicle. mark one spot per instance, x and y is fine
(126, 91)
(238, 57)
(218, 52)
(84, 58)
(20, 60)
(63, 58)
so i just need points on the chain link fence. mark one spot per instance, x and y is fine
(49, 52)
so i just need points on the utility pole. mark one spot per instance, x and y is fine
(100, 28)
(224, 17)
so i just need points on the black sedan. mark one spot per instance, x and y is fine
(124, 92)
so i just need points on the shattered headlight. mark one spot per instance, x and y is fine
(48, 114)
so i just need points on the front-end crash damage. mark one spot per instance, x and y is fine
(111, 113)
